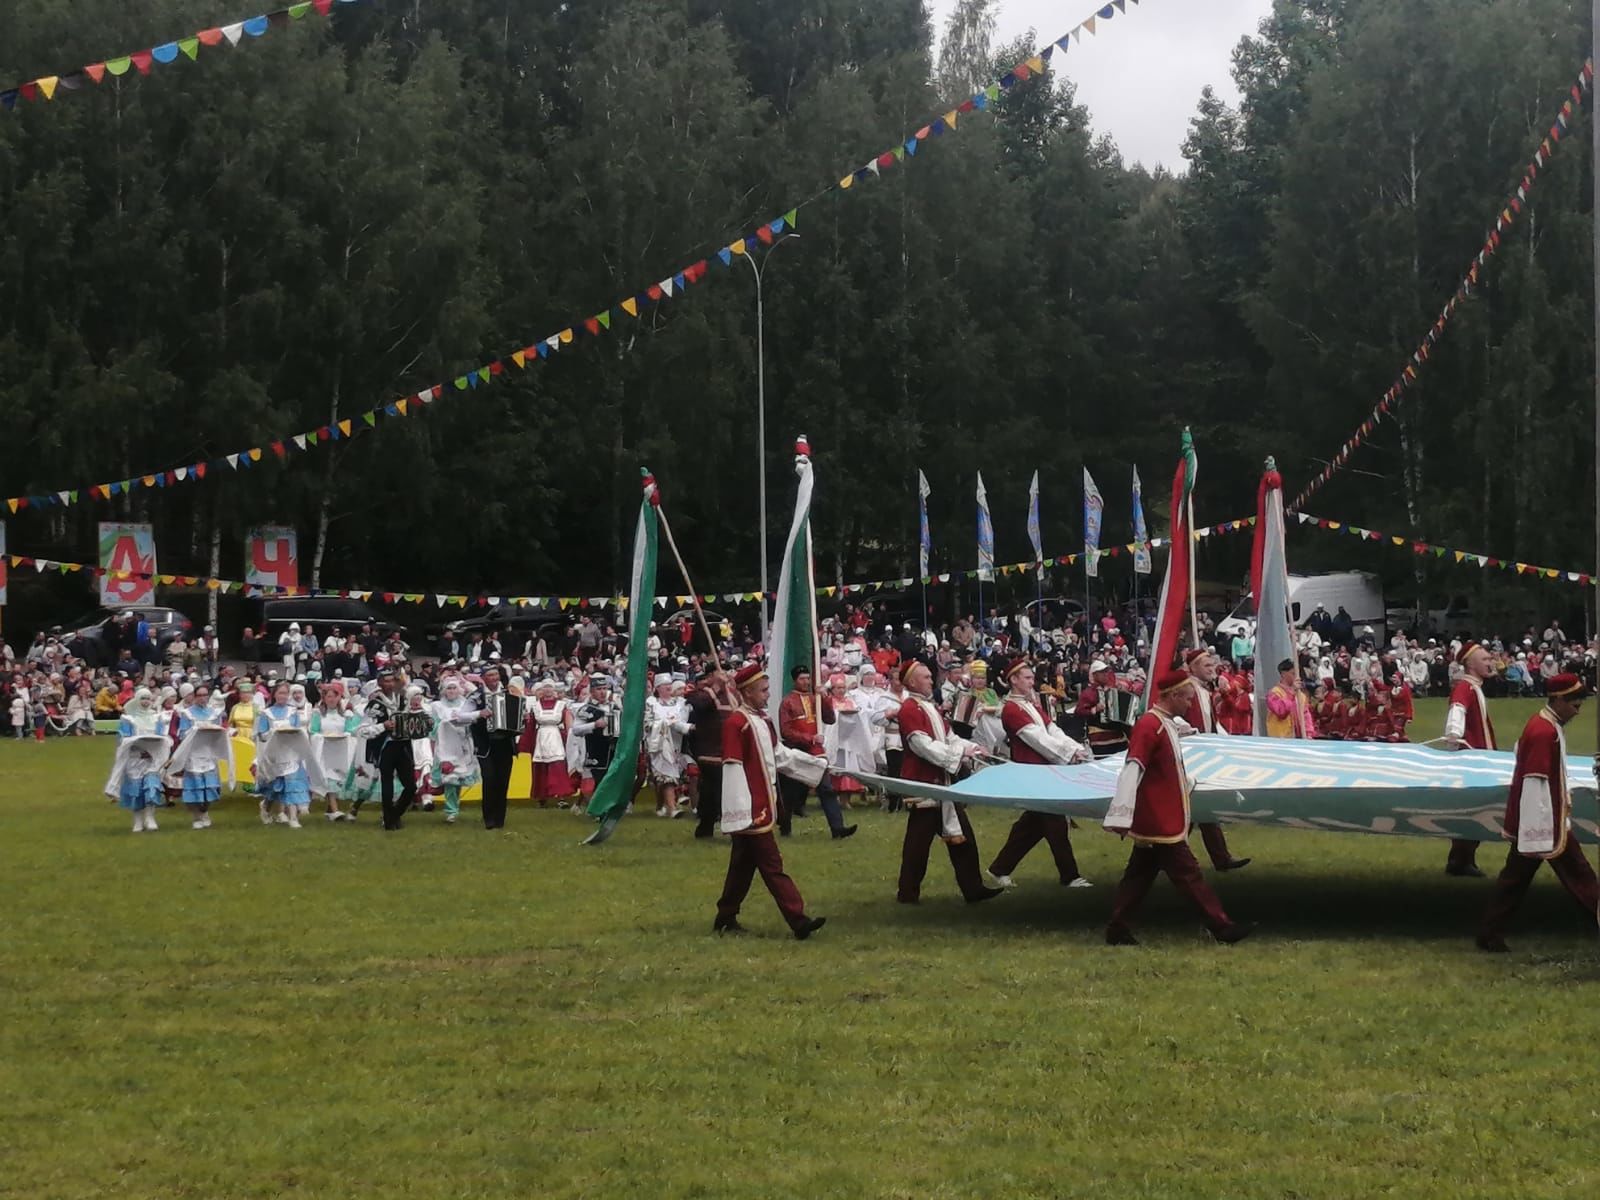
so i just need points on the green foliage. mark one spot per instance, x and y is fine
(348, 210)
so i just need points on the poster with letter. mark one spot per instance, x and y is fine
(3, 562)
(131, 549)
(272, 557)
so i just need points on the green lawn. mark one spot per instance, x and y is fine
(452, 1013)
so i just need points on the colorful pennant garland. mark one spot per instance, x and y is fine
(454, 600)
(1507, 216)
(47, 87)
(668, 288)
(1467, 557)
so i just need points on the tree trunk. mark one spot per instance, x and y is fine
(216, 560)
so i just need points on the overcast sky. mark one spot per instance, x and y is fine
(1140, 75)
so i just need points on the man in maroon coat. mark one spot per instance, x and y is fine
(1538, 816)
(1152, 806)
(1467, 726)
(752, 756)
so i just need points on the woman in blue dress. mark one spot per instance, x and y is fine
(203, 744)
(142, 750)
(281, 761)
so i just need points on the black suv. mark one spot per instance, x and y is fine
(323, 613)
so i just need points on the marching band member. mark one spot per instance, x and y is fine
(1467, 726)
(709, 706)
(284, 766)
(391, 756)
(752, 759)
(1202, 666)
(594, 732)
(933, 755)
(335, 741)
(1152, 805)
(545, 738)
(455, 764)
(1033, 739)
(204, 743)
(496, 746)
(142, 751)
(666, 723)
(1538, 818)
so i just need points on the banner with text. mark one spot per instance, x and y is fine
(128, 551)
(272, 557)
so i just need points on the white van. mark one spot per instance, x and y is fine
(1360, 593)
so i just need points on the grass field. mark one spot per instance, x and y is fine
(452, 1013)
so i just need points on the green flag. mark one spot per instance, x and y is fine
(614, 792)
(794, 623)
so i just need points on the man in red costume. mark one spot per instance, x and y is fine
(752, 757)
(1034, 739)
(1467, 726)
(1539, 816)
(933, 754)
(1152, 806)
(801, 716)
(1201, 666)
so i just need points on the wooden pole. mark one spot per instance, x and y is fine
(694, 596)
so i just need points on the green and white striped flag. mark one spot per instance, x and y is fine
(794, 623)
(614, 792)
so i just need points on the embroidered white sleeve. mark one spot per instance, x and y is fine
(1119, 816)
(944, 755)
(1455, 723)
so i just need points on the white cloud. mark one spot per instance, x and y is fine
(1140, 75)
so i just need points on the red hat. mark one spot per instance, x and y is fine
(1169, 681)
(1565, 684)
(1466, 651)
(1197, 652)
(1017, 666)
(907, 667)
(748, 674)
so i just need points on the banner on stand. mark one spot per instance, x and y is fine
(128, 558)
(272, 557)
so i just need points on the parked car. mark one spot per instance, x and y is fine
(522, 622)
(320, 612)
(92, 639)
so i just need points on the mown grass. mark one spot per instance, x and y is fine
(448, 1012)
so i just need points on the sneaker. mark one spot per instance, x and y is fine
(1001, 881)
(450, 818)
(281, 819)
(198, 824)
(661, 810)
(1079, 882)
(207, 820)
(150, 820)
(334, 816)
(266, 813)
(293, 822)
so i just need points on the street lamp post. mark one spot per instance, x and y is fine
(761, 417)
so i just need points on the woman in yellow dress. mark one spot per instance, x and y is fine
(241, 731)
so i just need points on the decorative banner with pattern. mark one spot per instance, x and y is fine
(47, 87)
(1509, 212)
(662, 291)
(455, 600)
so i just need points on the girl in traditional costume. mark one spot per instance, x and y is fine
(545, 738)
(202, 747)
(285, 766)
(335, 742)
(455, 761)
(142, 750)
(666, 722)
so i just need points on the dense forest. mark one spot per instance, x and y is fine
(353, 208)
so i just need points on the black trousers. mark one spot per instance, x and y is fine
(793, 793)
(710, 803)
(395, 759)
(496, 780)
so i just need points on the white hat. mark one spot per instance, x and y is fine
(294, 626)
(1097, 666)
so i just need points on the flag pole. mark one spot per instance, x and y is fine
(694, 596)
(1188, 532)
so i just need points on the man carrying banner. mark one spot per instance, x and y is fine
(1538, 817)
(1201, 665)
(752, 759)
(1034, 739)
(1152, 806)
(1467, 726)
(933, 754)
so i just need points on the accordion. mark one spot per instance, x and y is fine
(1120, 707)
(505, 712)
(409, 726)
(965, 708)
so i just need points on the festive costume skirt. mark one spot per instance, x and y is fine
(552, 780)
(202, 787)
(291, 789)
(144, 792)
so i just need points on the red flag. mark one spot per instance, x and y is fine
(1175, 588)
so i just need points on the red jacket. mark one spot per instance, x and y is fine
(741, 745)
(1015, 716)
(1539, 753)
(1480, 730)
(797, 721)
(1161, 809)
(921, 716)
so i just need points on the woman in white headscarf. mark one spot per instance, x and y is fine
(142, 750)
(203, 747)
(455, 761)
(545, 738)
(666, 723)
(336, 742)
